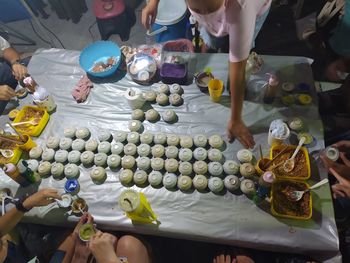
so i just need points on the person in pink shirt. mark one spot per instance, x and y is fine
(241, 20)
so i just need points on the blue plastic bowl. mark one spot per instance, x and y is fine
(100, 51)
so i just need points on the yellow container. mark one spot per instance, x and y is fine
(28, 145)
(17, 152)
(258, 167)
(28, 129)
(273, 196)
(292, 148)
(215, 87)
(136, 207)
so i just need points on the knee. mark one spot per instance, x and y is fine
(129, 243)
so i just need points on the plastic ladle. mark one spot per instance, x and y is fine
(289, 164)
(33, 122)
(297, 195)
(7, 153)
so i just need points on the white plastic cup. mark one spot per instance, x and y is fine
(48, 104)
(272, 140)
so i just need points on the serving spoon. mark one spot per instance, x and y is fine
(289, 164)
(297, 195)
(7, 153)
(33, 122)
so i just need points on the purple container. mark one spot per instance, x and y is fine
(174, 73)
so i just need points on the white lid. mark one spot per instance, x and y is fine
(170, 12)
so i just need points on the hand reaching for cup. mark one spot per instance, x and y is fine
(41, 198)
(238, 130)
(343, 169)
(19, 71)
(102, 246)
(85, 219)
(81, 251)
(342, 188)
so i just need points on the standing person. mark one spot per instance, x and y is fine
(11, 70)
(241, 20)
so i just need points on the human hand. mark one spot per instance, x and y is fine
(19, 71)
(341, 169)
(41, 198)
(224, 259)
(102, 246)
(81, 250)
(86, 218)
(3, 248)
(342, 188)
(149, 13)
(6, 93)
(237, 129)
(333, 69)
(232, 259)
(343, 146)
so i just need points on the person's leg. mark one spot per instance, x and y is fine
(65, 251)
(133, 249)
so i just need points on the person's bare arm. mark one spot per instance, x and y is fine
(149, 13)
(236, 127)
(9, 221)
(6, 92)
(12, 217)
(12, 56)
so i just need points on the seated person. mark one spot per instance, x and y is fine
(11, 70)
(8, 222)
(334, 105)
(105, 247)
(341, 188)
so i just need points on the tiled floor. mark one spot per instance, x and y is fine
(73, 36)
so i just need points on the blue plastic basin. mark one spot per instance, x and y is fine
(100, 51)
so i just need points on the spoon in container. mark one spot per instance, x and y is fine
(289, 164)
(33, 122)
(7, 153)
(297, 195)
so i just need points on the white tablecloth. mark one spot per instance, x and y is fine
(229, 219)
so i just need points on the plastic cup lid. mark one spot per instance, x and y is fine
(71, 185)
(170, 12)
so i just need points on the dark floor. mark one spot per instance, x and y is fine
(162, 250)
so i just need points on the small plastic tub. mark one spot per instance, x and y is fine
(278, 196)
(291, 175)
(28, 113)
(173, 73)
